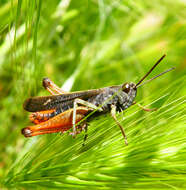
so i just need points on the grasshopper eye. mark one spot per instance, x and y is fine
(126, 87)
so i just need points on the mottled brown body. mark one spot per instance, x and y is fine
(54, 111)
(119, 95)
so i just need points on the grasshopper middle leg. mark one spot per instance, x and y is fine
(113, 114)
(84, 103)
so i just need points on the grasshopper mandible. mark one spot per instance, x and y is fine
(62, 110)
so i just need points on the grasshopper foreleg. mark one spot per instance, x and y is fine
(143, 108)
(113, 114)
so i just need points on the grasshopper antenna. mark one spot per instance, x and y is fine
(137, 85)
(156, 76)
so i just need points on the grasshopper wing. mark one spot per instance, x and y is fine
(42, 103)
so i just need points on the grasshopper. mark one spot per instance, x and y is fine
(62, 110)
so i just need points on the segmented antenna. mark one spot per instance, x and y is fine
(156, 76)
(151, 70)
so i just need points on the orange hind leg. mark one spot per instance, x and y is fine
(59, 123)
(41, 116)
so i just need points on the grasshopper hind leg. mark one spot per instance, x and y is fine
(51, 87)
(41, 116)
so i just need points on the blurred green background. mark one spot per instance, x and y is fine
(91, 44)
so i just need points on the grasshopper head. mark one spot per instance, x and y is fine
(128, 87)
